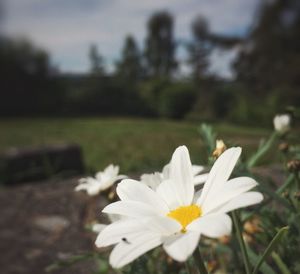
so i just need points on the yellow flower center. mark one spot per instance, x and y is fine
(185, 215)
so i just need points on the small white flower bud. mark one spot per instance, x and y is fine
(282, 123)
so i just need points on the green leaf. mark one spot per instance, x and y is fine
(281, 265)
(270, 247)
(262, 150)
(274, 195)
(208, 136)
(239, 235)
(286, 184)
(265, 268)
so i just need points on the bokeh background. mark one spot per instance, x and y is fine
(86, 83)
(68, 63)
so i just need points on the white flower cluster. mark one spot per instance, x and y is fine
(102, 181)
(164, 208)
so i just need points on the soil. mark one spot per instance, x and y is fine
(44, 222)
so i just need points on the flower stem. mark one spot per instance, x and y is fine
(199, 262)
(241, 242)
(187, 268)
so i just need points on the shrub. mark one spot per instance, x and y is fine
(176, 100)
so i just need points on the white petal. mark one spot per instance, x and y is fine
(107, 183)
(131, 190)
(129, 228)
(115, 232)
(163, 226)
(131, 209)
(114, 217)
(197, 169)
(81, 187)
(181, 246)
(167, 191)
(90, 185)
(166, 171)
(242, 200)
(99, 176)
(152, 180)
(93, 190)
(197, 196)
(212, 225)
(182, 175)
(220, 173)
(86, 182)
(200, 179)
(111, 170)
(230, 190)
(116, 170)
(98, 227)
(126, 252)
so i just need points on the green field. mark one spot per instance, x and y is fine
(136, 145)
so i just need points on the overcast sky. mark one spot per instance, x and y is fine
(66, 28)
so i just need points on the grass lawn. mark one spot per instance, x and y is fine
(137, 145)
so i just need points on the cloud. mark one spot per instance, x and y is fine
(67, 27)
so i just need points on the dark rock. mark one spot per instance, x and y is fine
(36, 163)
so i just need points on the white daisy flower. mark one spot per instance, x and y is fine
(282, 123)
(174, 215)
(102, 181)
(153, 180)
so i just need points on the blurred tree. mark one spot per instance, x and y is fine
(130, 67)
(202, 45)
(176, 100)
(160, 46)
(96, 60)
(30, 85)
(200, 48)
(270, 57)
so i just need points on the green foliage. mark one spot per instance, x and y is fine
(176, 100)
(281, 265)
(265, 268)
(151, 90)
(168, 99)
(30, 85)
(146, 144)
(209, 138)
(270, 61)
(263, 148)
(96, 60)
(223, 102)
(277, 238)
(130, 65)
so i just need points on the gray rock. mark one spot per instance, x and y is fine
(51, 224)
